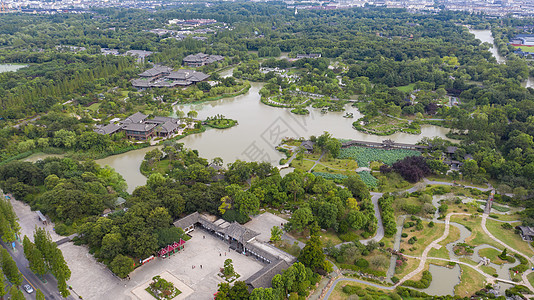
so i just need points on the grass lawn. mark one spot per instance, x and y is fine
(340, 164)
(392, 182)
(410, 265)
(287, 247)
(439, 253)
(468, 261)
(304, 165)
(323, 169)
(424, 238)
(440, 263)
(419, 275)
(406, 88)
(385, 124)
(470, 282)
(488, 270)
(161, 166)
(459, 182)
(530, 278)
(509, 237)
(330, 235)
(492, 254)
(337, 293)
(94, 107)
(526, 48)
(454, 235)
(477, 237)
(511, 217)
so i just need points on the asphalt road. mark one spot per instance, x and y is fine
(49, 288)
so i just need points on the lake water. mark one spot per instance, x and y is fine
(260, 129)
(10, 67)
(529, 83)
(487, 37)
(443, 280)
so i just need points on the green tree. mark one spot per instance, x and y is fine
(228, 268)
(10, 269)
(192, 113)
(159, 218)
(300, 219)
(312, 255)
(112, 245)
(39, 295)
(223, 291)
(239, 291)
(469, 168)
(357, 187)
(3, 286)
(122, 265)
(276, 234)
(16, 294)
(262, 294)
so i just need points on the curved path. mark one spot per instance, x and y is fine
(432, 245)
(529, 259)
(424, 257)
(331, 289)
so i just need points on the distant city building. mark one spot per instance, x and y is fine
(523, 39)
(311, 55)
(192, 22)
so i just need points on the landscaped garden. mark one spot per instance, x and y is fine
(160, 288)
(220, 122)
(385, 125)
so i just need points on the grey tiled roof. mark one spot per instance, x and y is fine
(156, 71)
(526, 230)
(187, 220)
(141, 83)
(108, 129)
(169, 126)
(187, 75)
(138, 117)
(139, 127)
(240, 232)
(263, 278)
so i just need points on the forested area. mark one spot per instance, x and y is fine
(375, 51)
(389, 62)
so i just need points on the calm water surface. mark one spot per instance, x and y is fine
(260, 129)
(10, 67)
(444, 280)
(487, 37)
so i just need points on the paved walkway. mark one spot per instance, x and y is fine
(317, 161)
(432, 245)
(379, 235)
(525, 274)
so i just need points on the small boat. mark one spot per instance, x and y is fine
(348, 115)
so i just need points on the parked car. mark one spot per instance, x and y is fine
(28, 288)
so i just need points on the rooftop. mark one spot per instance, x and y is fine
(139, 127)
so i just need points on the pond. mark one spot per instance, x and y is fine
(10, 67)
(486, 37)
(443, 280)
(529, 83)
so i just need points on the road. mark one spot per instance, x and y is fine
(49, 289)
